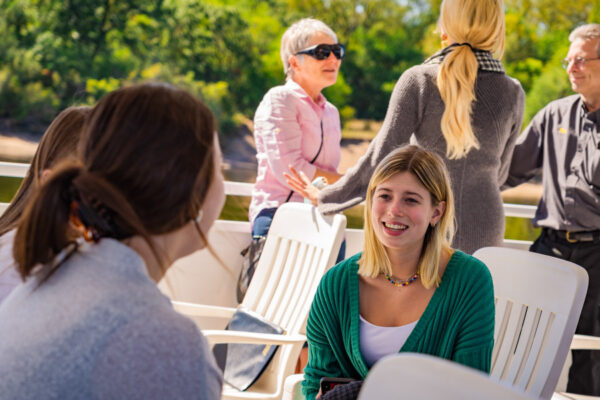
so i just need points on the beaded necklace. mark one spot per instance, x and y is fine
(401, 282)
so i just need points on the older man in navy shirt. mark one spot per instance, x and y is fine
(564, 139)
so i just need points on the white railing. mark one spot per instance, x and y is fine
(19, 170)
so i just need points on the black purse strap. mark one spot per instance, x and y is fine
(312, 161)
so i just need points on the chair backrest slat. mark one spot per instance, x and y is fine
(534, 364)
(523, 350)
(503, 308)
(508, 346)
(287, 292)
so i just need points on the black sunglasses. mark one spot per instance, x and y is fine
(322, 51)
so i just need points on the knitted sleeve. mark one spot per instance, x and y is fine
(475, 340)
(328, 330)
(509, 146)
(401, 120)
(321, 359)
(528, 154)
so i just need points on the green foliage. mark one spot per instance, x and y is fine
(55, 53)
(551, 84)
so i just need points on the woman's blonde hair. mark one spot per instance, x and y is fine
(430, 171)
(476, 24)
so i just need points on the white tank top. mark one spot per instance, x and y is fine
(379, 341)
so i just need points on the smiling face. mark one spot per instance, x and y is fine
(402, 211)
(312, 74)
(585, 78)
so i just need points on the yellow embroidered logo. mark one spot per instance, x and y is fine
(562, 130)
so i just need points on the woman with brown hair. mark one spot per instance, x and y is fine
(58, 143)
(90, 322)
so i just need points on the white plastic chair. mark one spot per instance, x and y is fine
(580, 342)
(424, 377)
(538, 303)
(300, 247)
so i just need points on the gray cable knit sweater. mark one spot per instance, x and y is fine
(100, 329)
(415, 109)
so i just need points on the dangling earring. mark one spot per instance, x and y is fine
(199, 217)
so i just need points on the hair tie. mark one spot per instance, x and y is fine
(463, 44)
(89, 233)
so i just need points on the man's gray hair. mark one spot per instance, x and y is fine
(297, 37)
(588, 31)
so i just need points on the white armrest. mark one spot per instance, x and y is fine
(560, 396)
(217, 336)
(292, 389)
(202, 310)
(584, 342)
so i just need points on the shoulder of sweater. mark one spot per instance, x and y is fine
(495, 78)
(336, 279)
(470, 268)
(420, 75)
(343, 268)
(161, 319)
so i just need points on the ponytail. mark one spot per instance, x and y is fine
(471, 24)
(456, 83)
(76, 198)
(44, 228)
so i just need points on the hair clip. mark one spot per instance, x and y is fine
(90, 234)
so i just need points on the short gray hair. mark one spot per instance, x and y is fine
(586, 32)
(296, 38)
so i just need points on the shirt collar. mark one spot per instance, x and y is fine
(485, 59)
(298, 89)
(593, 116)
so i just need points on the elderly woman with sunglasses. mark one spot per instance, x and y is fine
(295, 124)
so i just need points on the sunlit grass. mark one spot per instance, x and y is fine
(362, 129)
(8, 188)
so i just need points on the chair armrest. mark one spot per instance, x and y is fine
(292, 387)
(217, 336)
(584, 342)
(202, 310)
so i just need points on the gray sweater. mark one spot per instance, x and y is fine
(100, 329)
(416, 108)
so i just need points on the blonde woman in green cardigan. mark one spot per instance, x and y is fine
(408, 291)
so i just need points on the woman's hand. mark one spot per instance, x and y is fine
(300, 183)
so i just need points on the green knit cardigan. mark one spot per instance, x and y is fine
(458, 323)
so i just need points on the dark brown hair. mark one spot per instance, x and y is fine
(58, 143)
(146, 165)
